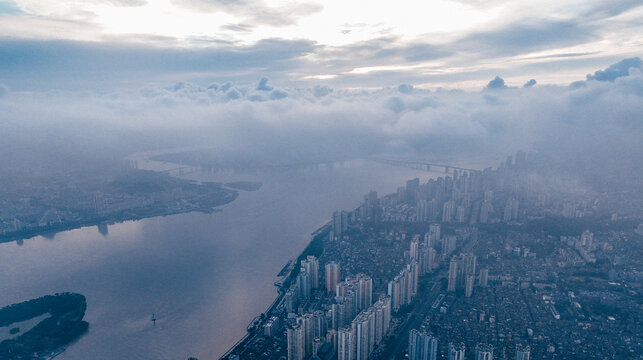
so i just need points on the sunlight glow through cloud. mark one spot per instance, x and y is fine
(343, 43)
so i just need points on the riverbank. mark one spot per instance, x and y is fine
(314, 248)
(135, 195)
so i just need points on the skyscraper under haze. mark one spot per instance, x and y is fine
(333, 275)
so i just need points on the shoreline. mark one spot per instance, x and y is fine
(315, 236)
(30, 234)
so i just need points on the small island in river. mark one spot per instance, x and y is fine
(62, 322)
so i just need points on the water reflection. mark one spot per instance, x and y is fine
(204, 276)
(103, 229)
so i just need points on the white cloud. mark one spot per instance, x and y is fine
(306, 123)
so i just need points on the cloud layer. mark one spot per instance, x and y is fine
(461, 44)
(601, 118)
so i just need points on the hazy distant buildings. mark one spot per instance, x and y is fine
(99, 202)
(433, 236)
(453, 274)
(426, 259)
(340, 222)
(411, 190)
(369, 208)
(448, 211)
(486, 209)
(332, 276)
(484, 277)
(311, 266)
(511, 209)
(468, 290)
(587, 239)
(414, 248)
(449, 244)
(304, 284)
(403, 287)
(422, 211)
(460, 214)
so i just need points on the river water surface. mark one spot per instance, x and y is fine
(205, 276)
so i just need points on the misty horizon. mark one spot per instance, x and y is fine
(336, 180)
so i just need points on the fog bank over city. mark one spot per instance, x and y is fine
(593, 118)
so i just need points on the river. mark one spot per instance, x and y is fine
(205, 276)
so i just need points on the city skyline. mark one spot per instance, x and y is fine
(321, 180)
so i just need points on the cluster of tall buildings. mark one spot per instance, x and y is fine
(511, 209)
(366, 331)
(468, 196)
(369, 209)
(352, 295)
(352, 326)
(456, 351)
(522, 352)
(306, 335)
(424, 255)
(354, 341)
(424, 346)
(403, 288)
(462, 272)
(305, 283)
(484, 352)
(340, 223)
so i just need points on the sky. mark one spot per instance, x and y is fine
(82, 79)
(348, 44)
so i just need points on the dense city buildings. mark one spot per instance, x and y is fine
(456, 351)
(522, 352)
(484, 352)
(422, 346)
(475, 265)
